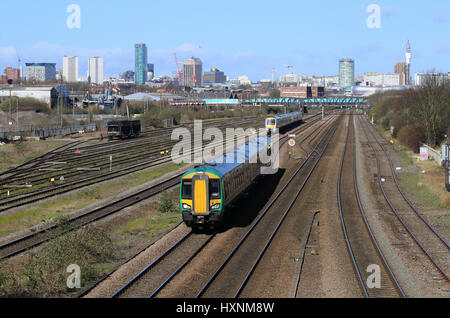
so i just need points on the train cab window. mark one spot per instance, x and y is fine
(114, 128)
(186, 190)
(270, 121)
(214, 189)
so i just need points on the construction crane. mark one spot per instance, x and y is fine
(180, 74)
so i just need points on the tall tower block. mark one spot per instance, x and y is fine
(408, 64)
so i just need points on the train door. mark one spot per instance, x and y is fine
(201, 194)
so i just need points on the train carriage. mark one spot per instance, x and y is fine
(124, 129)
(207, 191)
(282, 121)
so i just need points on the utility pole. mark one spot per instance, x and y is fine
(17, 113)
(10, 82)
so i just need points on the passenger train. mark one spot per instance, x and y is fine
(281, 121)
(207, 191)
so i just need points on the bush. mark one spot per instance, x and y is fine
(25, 104)
(44, 274)
(165, 205)
(411, 137)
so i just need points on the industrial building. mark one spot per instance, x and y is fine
(40, 72)
(48, 95)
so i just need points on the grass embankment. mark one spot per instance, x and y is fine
(12, 155)
(46, 274)
(427, 182)
(96, 249)
(68, 203)
(150, 219)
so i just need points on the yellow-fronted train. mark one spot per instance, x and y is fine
(207, 191)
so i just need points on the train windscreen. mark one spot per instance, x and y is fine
(214, 189)
(186, 190)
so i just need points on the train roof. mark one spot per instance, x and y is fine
(239, 155)
(285, 115)
(119, 122)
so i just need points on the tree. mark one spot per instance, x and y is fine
(275, 93)
(430, 106)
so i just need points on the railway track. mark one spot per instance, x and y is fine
(153, 280)
(430, 242)
(37, 238)
(92, 155)
(361, 244)
(84, 180)
(34, 239)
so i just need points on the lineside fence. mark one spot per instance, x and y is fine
(47, 132)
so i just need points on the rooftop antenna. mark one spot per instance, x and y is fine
(19, 65)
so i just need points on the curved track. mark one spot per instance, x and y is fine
(257, 234)
(362, 246)
(417, 227)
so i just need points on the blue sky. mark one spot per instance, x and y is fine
(239, 37)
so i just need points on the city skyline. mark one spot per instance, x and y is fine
(311, 43)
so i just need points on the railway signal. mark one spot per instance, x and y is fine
(291, 142)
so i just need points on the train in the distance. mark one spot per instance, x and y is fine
(207, 191)
(124, 129)
(282, 121)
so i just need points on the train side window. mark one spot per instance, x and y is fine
(186, 190)
(214, 189)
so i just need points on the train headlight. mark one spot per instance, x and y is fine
(216, 206)
(186, 206)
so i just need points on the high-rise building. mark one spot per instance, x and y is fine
(400, 68)
(193, 72)
(408, 64)
(40, 72)
(70, 68)
(95, 70)
(141, 63)
(214, 77)
(150, 71)
(346, 72)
